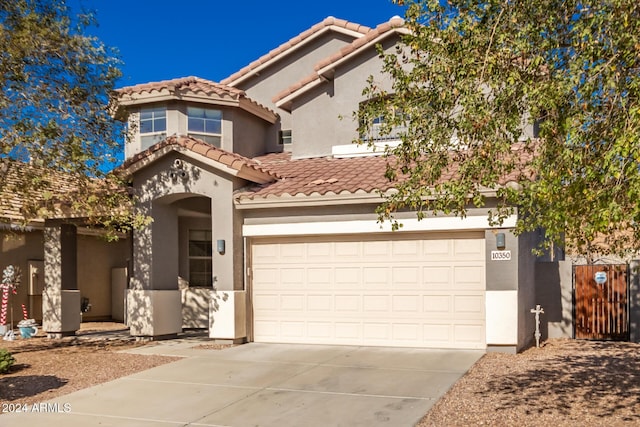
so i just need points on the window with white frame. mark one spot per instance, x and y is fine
(200, 258)
(153, 126)
(205, 124)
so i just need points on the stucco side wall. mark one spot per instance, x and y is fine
(293, 67)
(96, 258)
(16, 249)
(251, 135)
(323, 117)
(526, 290)
(554, 292)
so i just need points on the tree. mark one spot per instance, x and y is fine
(55, 83)
(537, 101)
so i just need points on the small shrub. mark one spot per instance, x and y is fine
(6, 360)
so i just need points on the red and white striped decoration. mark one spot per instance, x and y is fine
(25, 316)
(5, 303)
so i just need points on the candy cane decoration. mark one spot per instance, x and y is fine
(25, 316)
(5, 303)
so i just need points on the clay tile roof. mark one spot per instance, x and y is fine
(370, 36)
(324, 175)
(292, 43)
(184, 84)
(328, 175)
(32, 192)
(232, 160)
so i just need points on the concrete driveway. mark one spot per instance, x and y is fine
(266, 385)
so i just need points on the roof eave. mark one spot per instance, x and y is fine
(245, 172)
(256, 71)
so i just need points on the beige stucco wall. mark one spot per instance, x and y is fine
(96, 258)
(156, 247)
(17, 249)
(323, 117)
(290, 69)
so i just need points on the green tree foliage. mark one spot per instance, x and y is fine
(6, 361)
(472, 77)
(55, 82)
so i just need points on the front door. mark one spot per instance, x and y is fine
(601, 302)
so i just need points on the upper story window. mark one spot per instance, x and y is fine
(285, 137)
(153, 126)
(388, 126)
(205, 124)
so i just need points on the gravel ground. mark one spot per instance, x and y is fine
(563, 383)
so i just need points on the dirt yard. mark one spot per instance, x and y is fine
(563, 383)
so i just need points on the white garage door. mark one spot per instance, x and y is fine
(391, 290)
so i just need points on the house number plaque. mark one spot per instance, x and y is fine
(500, 255)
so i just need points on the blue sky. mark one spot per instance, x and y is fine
(212, 39)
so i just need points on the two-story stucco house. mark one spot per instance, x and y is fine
(257, 191)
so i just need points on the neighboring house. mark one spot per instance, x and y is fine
(264, 226)
(67, 268)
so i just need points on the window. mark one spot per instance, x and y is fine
(381, 130)
(153, 126)
(284, 137)
(200, 258)
(205, 124)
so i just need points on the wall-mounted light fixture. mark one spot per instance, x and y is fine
(500, 241)
(220, 246)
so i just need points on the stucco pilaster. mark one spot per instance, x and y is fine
(61, 297)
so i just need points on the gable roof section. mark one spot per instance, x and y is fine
(324, 68)
(191, 89)
(328, 24)
(231, 163)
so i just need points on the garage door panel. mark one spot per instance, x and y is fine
(348, 250)
(405, 277)
(469, 277)
(348, 277)
(405, 292)
(437, 277)
(437, 305)
(376, 277)
(320, 278)
(320, 303)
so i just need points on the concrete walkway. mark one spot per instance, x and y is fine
(265, 385)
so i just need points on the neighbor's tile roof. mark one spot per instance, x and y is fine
(32, 193)
(322, 175)
(357, 44)
(232, 160)
(292, 43)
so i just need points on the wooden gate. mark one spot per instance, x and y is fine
(601, 302)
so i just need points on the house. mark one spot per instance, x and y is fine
(69, 272)
(256, 189)
(264, 226)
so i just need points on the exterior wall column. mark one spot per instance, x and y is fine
(61, 297)
(154, 307)
(501, 297)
